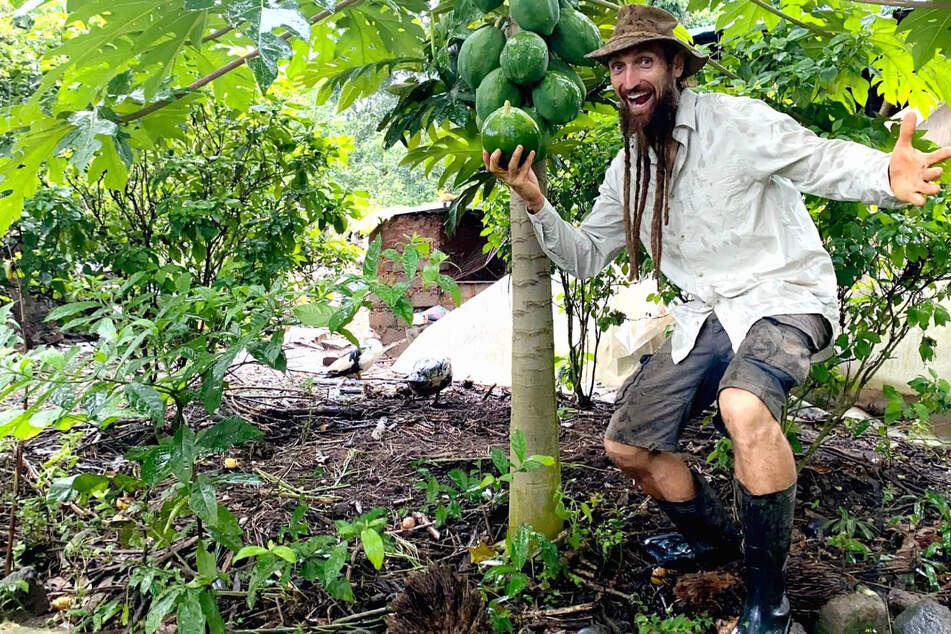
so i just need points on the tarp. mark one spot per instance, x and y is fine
(477, 336)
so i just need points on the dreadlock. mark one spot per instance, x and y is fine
(661, 216)
(655, 135)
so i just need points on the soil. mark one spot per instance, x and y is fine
(348, 449)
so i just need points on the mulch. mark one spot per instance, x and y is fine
(346, 449)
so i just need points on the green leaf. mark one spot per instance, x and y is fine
(202, 500)
(271, 49)
(371, 263)
(207, 565)
(67, 310)
(191, 618)
(225, 434)
(61, 490)
(183, 453)
(88, 483)
(518, 546)
(156, 463)
(517, 445)
(929, 30)
(403, 309)
(316, 315)
(372, 546)
(547, 461)
(449, 285)
(216, 624)
(212, 385)
(410, 261)
(285, 553)
(262, 17)
(161, 607)
(145, 399)
(83, 139)
(227, 532)
(249, 551)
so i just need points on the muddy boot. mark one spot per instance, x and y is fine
(767, 524)
(705, 524)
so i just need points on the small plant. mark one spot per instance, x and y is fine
(679, 624)
(846, 530)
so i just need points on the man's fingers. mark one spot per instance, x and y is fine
(527, 165)
(930, 189)
(917, 200)
(933, 174)
(907, 129)
(937, 156)
(515, 162)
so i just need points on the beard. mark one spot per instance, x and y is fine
(658, 127)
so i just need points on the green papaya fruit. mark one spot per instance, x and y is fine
(493, 92)
(488, 5)
(544, 133)
(560, 66)
(524, 58)
(508, 127)
(574, 37)
(479, 54)
(557, 98)
(538, 16)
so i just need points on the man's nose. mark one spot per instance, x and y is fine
(631, 77)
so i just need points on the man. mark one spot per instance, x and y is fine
(711, 184)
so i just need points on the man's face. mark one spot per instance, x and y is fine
(641, 77)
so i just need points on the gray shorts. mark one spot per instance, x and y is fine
(655, 403)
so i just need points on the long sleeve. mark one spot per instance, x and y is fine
(584, 250)
(831, 168)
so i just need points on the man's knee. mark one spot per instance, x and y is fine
(634, 461)
(746, 417)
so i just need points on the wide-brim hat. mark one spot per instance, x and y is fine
(639, 24)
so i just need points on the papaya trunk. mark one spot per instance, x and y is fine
(532, 500)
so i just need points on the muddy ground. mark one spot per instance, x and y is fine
(330, 448)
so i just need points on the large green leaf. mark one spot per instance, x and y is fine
(84, 139)
(183, 453)
(262, 17)
(227, 531)
(929, 30)
(202, 500)
(146, 400)
(191, 618)
(225, 434)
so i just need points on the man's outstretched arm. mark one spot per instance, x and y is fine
(913, 174)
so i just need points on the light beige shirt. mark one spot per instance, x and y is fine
(740, 242)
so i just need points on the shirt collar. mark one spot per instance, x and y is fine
(686, 116)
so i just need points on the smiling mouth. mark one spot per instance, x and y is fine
(639, 101)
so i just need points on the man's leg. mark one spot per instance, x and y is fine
(773, 358)
(653, 407)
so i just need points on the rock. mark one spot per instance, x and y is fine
(924, 617)
(33, 599)
(797, 628)
(593, 629)
(861, 612)
(901, 600)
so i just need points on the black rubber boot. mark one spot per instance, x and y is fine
(767, 525)
(705, 524)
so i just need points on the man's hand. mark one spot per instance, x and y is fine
(910, 172)
(519, 175)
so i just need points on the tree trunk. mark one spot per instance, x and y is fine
(532, 500)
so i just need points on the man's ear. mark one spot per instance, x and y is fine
(679, 61)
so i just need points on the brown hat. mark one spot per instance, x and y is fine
(638, 24)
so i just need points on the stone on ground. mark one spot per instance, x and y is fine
(925, 617)
(861, 612)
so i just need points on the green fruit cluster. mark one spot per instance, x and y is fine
(530, 73)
